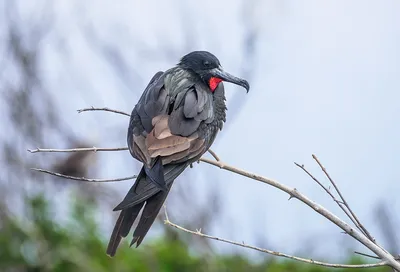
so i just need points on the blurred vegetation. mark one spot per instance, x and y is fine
(39, 243)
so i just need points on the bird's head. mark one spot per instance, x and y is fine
(208, 68)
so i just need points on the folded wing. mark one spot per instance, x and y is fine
(170, 124)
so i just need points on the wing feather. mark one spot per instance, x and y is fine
(170, 121)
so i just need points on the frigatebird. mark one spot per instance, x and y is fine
(172, 125)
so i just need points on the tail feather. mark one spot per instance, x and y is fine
(156, 174)
(143, 193)
(122, 227)
(131, 215)
(146, 188)
(150, 212)
(115, 237)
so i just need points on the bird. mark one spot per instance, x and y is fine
(174, 122)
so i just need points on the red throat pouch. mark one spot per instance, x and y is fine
(213, 83)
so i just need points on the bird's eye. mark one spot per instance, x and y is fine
(207, 64)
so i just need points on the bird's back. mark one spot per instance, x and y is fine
(176, 119)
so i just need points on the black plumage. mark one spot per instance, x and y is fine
(173, 124)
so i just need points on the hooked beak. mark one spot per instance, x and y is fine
(220, 73)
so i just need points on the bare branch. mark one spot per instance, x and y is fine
(94, 149)
(340, 203)
(103, 109)
(317, 181)
(275, 253)
(81, 178)
(366, 255)
(357, 222)
(294, 193)
(214, 155)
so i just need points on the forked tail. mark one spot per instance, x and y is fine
(144, 192)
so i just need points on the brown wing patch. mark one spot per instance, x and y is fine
(153, 143)
(161, 142)
(161, 129)
(140, 150)
(196, 147)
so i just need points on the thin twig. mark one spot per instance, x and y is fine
(275, 253)
(103, 109)
(340, 203)
(81, 178)
(372, 256)
(366, 255)
(358, 223)
(94, 149)
(214, 155)
(317, 181)
(293, 193)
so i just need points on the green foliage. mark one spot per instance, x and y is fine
(38, 243)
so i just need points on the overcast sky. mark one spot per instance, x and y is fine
(325, 80)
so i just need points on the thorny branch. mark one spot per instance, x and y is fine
(81, 178)
(364, 239)
(103, 109)
(94, 149)
(372, 256)
(367, 255)
(271, 252)
(340, 203)
(357, 222)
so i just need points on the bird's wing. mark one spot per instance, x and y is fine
(168, 124)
